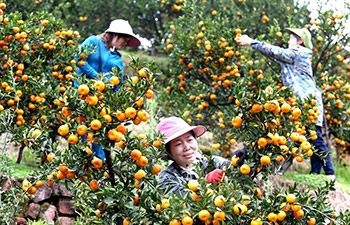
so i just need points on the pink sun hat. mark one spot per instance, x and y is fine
(173, 127)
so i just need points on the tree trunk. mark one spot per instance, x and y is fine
(20, 154)
(327, 133)
(109, 165)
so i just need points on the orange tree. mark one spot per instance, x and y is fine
(146, 17)
(36, 66)
(121, 189)
(332, 69)
(238, 93)
(39, 105)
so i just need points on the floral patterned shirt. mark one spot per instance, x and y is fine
(173, 177)
(296, 70)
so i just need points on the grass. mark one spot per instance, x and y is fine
(28, 164)
(302, 176)
(23, 169)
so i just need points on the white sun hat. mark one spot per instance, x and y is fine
(123, 27)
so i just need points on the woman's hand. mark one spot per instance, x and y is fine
(241, 154)
(244, 40)
(214, 176)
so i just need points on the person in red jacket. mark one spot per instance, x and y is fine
(182, 148)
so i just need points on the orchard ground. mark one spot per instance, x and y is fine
(297, 173)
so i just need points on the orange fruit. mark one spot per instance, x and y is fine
(120, 128)
(114, 80)
(299, 159)
(244, 169)
(285, 107)
(142, 72)
(50, 156)
(174, 222)
(294, 136)
(139, 102)
(219, 201)
(312, 221)
(95, 124)
(81, 130)
(204, 215)
(140, 174)
(119, 137)
(257, 192)
(272, 217)
(262, 142)
(32, 190)
(285, 206)
(44, 23)
(156, 169)
(220, 216)
(94, 185)
(63, 130)
(239, 209)
(256, 108)
(73, 139)
(60, 175)
(291, 198)
(193, 185)
(130, 112)
(265, 160)
(296, 112)
(121, 116)
(298, 214)
(234, 161)
(149, 94)
(165, 203)
(112, 135)
(281, 216)
(135, 154)
(143, 161)
(187, 220)
(237, 122)
(296, 207)
(70, 174)
(83, 89)
(305, 146)
(157, 143)
(92, 100)
(63, 168)
(99, 86)
(96, 162)
(105, 111)
(39, 184)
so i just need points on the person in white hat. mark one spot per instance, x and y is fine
(182, 149)
(296, 71)
(106, 56)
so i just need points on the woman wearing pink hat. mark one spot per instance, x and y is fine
(107, 56)
(182, 148)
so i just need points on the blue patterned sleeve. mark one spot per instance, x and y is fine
(90, 44)
(281, 55)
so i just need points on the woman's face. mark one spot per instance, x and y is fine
(120, 42)
(293, 41)
(183, 149)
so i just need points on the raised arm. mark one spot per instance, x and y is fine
(277, 53)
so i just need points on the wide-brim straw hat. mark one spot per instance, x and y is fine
(173, 127)
(304, 34)
(120, 26)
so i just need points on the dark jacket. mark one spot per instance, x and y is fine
(173, 177)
